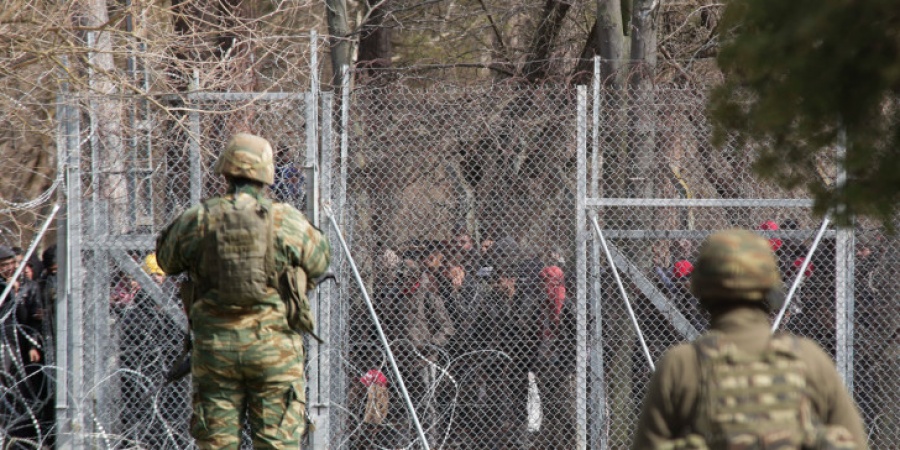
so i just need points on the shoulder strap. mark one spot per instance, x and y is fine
(704, 347)
(784, 344)
(203, 228)
(270, 266)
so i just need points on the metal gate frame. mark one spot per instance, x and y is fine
(74, 404)
(589, 201)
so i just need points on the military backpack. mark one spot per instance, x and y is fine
(237, 250)
(758, 402)
(238, 261)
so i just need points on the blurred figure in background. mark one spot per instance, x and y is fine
(22, 353)
(554, 366)
(149, 344)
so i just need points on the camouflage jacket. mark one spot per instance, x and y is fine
(670, 403)
(297, 242)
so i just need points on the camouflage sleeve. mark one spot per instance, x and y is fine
(300, 243)
(177, 244)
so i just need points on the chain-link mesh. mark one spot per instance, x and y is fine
(876, 335)
(466, 210)
(460, 205)
(27, 190)
(136, 178)
(661, 189)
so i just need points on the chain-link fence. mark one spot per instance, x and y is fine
(470, 214)
(461, 207)
(677, 189)
(27, 212)
(124, 327)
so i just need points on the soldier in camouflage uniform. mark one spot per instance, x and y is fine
(739, 386)
(245, 354)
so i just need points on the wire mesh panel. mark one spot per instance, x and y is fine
(26, 204)
(460, 206)
(659, 189)
(137, 175)
(876, 337)
(463, 210)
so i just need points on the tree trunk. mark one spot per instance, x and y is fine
(539, 55)
(338, 32)
(375, 50)
(627, 6)
(607, 40)
(640, 157)
(640, 83)
(106, 112)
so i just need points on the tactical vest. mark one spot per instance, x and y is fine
(750, 402)
(237, 251)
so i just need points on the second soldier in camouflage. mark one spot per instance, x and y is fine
(739, 387)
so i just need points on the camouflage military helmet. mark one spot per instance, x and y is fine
(247, 156)
(735, 265)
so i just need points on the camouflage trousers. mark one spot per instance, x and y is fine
(252, 367)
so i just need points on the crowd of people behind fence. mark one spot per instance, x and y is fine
(484, 338)
(26, 340)
(145, 338)
(483, 334)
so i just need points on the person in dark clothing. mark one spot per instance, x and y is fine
(496, 418)
(21, 314)
(48, 281)
(32, 354)
(674, 283)
(459, 287)
(508, 335)
(33, 268)
(150, 342)
(812, 310)
(465, 253)
(418, 327)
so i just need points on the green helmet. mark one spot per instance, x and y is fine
(247, 156)
(735, 265)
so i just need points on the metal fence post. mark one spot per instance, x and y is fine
(311, 163)
(312, 130)
(319, 353)
(69, 323)
(597, 372)
(318, 406)
(341, 197)
(61, 403)
(196, 171)
(581, 268)
(339, 335)
(844, 307)
(845, 244)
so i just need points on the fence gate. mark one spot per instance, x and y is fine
(131, 168)
(459, 211)
(655, 189)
